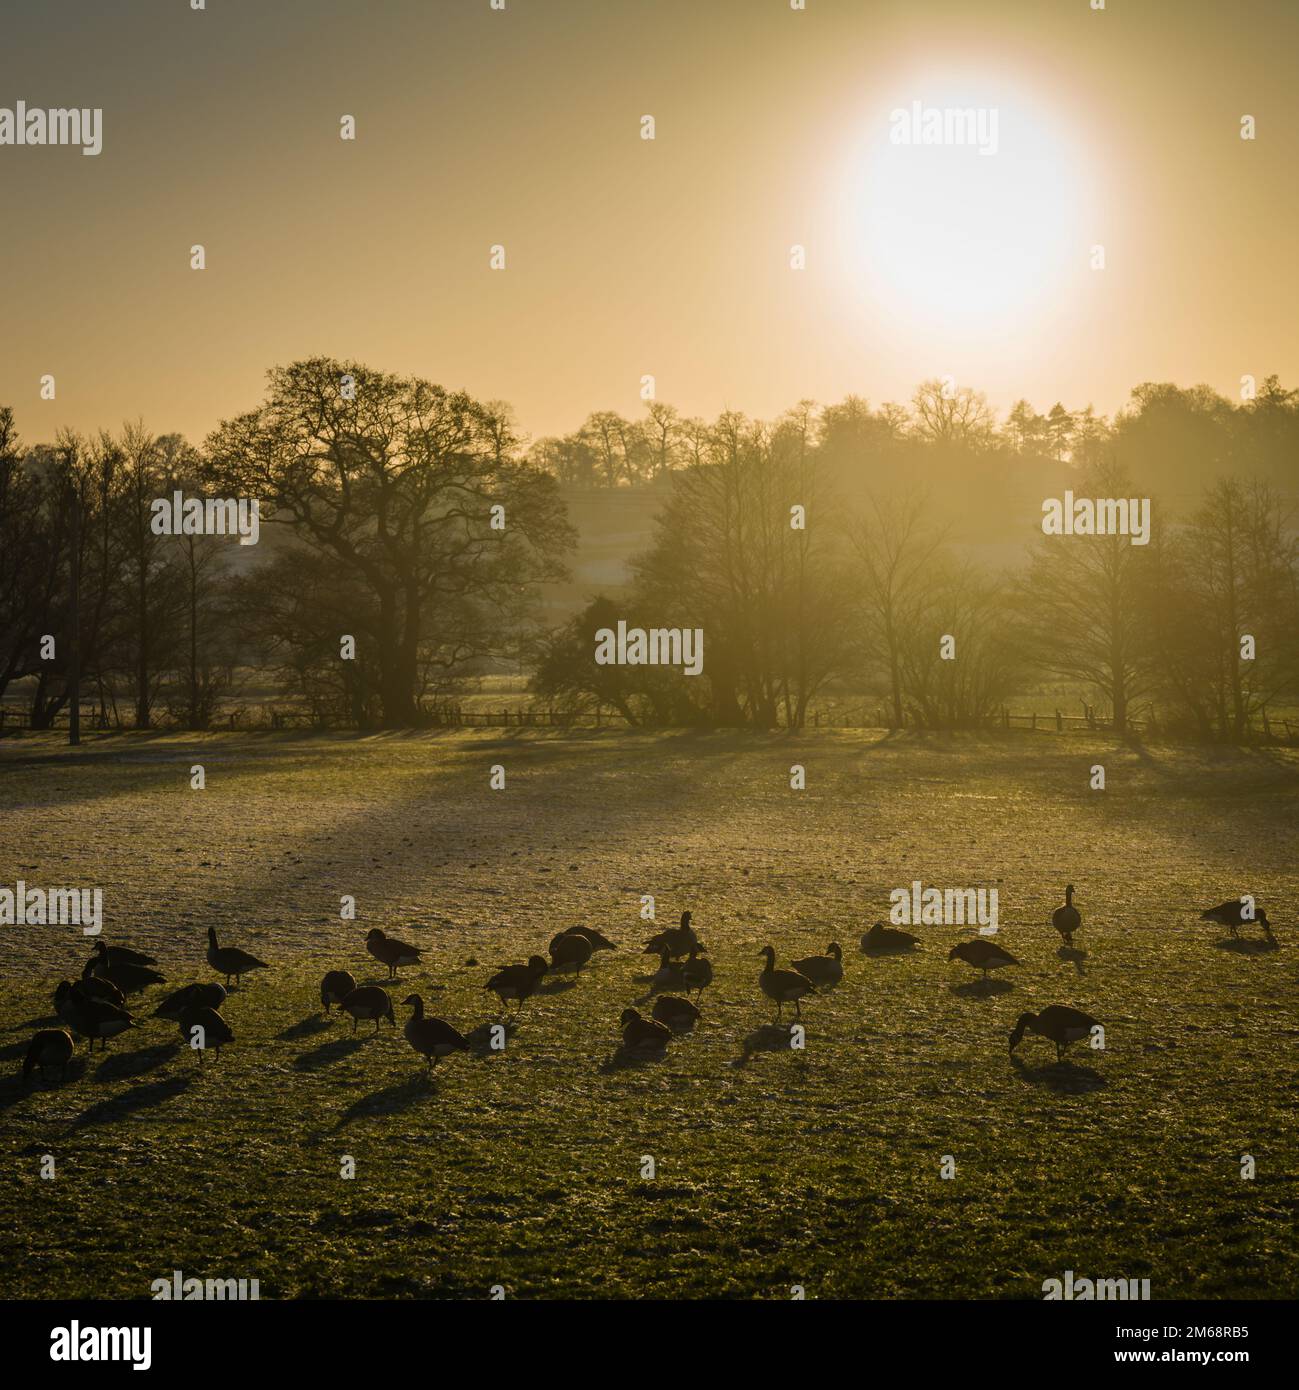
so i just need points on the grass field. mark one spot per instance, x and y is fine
(775, 1168)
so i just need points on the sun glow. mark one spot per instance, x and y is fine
(966, 206)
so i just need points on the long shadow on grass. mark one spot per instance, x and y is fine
(392, 1100)
(977, 989)
(1063, 1078)
(137, 1098)
(329, 1052)
(306, 1028)
(1247, 946)
(123, 1064)
(771, 1037)
(13, 1089)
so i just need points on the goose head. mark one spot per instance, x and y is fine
(1025, 1021)
(374, 934)
(835, 950)
(538, 963)
(629, 1016)
(769, 952)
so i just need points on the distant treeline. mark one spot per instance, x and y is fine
(407, 534)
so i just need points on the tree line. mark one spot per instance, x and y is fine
(409, 533)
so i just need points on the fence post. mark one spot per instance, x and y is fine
(1033, 725)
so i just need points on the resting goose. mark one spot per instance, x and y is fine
(696, 973)
(130, 979)
(369, 1001)
(191, 997)
(669, 975)
(1061, 1024)
(1231, 915)
(387, 950)
(335, 987)
(230, 961)
(569, 952)
(598, 940)
(1066, 919)
(51, 1047)
(90, 1018)
(642, 1034)
(202, 1028)
(678, 1014)
(517, 982)
(983, 955)
(783, 986)
(823, 970)
(122, 955)
(432, 1038)
(882, 940)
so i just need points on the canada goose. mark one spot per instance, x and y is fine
(51, 1047)
(1061, 1024)
(783, 986)
(335, 987)
(122, 955)
(95, 987)
(191, 997)
(569, 952)
(882, 940)
(1231, 915)
(676, 940)
(696, 973)
(387, 950)
(130, 979)
(823, 970)
(90, 1018)
(202, 1028)
(642, 1034)
(669, 975)
(431, 1037)
(983, 955)
(598, 940)
(369, 1001)
(676, 1013)
(1066, 919)
(517, 982)
(230, 961)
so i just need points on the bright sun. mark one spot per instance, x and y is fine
(944, 233)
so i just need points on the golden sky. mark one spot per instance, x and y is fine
(627, 257)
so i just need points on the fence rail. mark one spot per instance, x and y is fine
(15, 719)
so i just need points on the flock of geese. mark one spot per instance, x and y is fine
(95, 1006)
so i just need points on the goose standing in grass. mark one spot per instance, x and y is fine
(121, 955)
(1066, 919)
(191, 997)
(569, 953)
(90, 1018)
(678, 1014)
(230, 961)
(130, 979)
(1231, 915)
(51, 1047)
(882, 940)
(669, 975)
(826, 970)
(783, 986)
(432, 1038)
(335, 987)
(368, 1002)
(598, 940)
(204, 1028)
(982, 955)
(517, 982)
(1061, 1024)
(643, 1035)
(696, 973)
(677, 941)
(387, 950)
